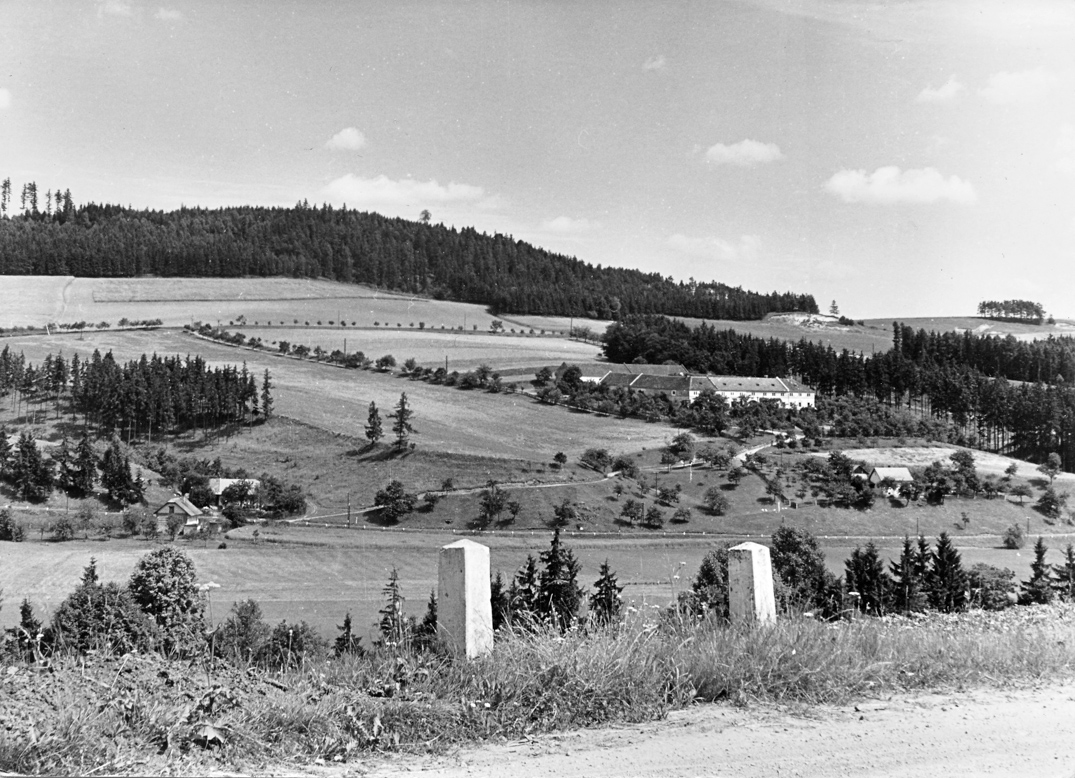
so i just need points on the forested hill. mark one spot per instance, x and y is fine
(345, 245)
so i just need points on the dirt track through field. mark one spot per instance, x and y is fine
(1025, 733)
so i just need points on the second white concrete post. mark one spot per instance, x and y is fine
(464, 611)
(750, 584)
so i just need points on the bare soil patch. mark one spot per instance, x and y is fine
(968, 733)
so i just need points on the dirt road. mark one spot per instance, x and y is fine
(1019, 733)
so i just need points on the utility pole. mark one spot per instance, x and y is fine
(348, 509)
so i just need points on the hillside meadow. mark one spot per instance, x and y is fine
(334, 399)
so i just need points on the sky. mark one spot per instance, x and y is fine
(902, 158)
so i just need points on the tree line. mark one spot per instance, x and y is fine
(510, 276)
(150, 395)
(989, 392)
(1012, 310)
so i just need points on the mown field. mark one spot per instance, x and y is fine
(317, 575)
(458, 350)
(39, 300)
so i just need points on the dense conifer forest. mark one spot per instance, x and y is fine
(1001, 394)
(50, 235)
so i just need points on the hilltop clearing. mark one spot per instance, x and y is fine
(872, 336)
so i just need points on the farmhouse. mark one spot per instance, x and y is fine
(182, 506)
(898, 475)
(787, 391)
(677, 383)
(219, 485)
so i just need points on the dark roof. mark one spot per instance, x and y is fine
(662, 383)
(185, 505)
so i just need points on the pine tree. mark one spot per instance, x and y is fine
(606, 601)
(948, 591)
(559, 595)
(1039, 589)
(374, 430)
(402, 424)
(266, 397)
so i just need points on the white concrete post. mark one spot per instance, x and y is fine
(750, 584)
(464, 611)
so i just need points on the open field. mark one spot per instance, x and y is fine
(875, 335)
(334, 399)
(432, 348)
(921, 456)
(316, 574)
(37, 300)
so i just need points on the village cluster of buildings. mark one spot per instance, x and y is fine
(676, 382)
(195, 518)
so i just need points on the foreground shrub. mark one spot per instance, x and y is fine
(100, 617)
(164, 585)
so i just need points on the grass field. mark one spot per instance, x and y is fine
(875, 335)
(37, 300)
(317, 574)
(447, 420)
(462, 351)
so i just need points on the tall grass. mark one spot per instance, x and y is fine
(110, 714)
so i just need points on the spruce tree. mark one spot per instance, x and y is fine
(498, 599)
(374, 429)
(559, 595)
(1065, 575)
(5, 452)
(266, 396)
(393, 624)
(865, 574)
(907, 580)
(401, 425)
(948, 581)
(347, 643)
(1039, 589)
(523, 594)
(66, 469)
(606, 601)
(30, 473)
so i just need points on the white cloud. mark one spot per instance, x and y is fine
(657, 62)
(385, 193)
(1026, 86)
(567, 226)
(715, 248)
(114, 8)
(745, 153)
(1065, 150)
(941, 94)
(168, 15)
(889, 185)
(347, 139)
(5, 98)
